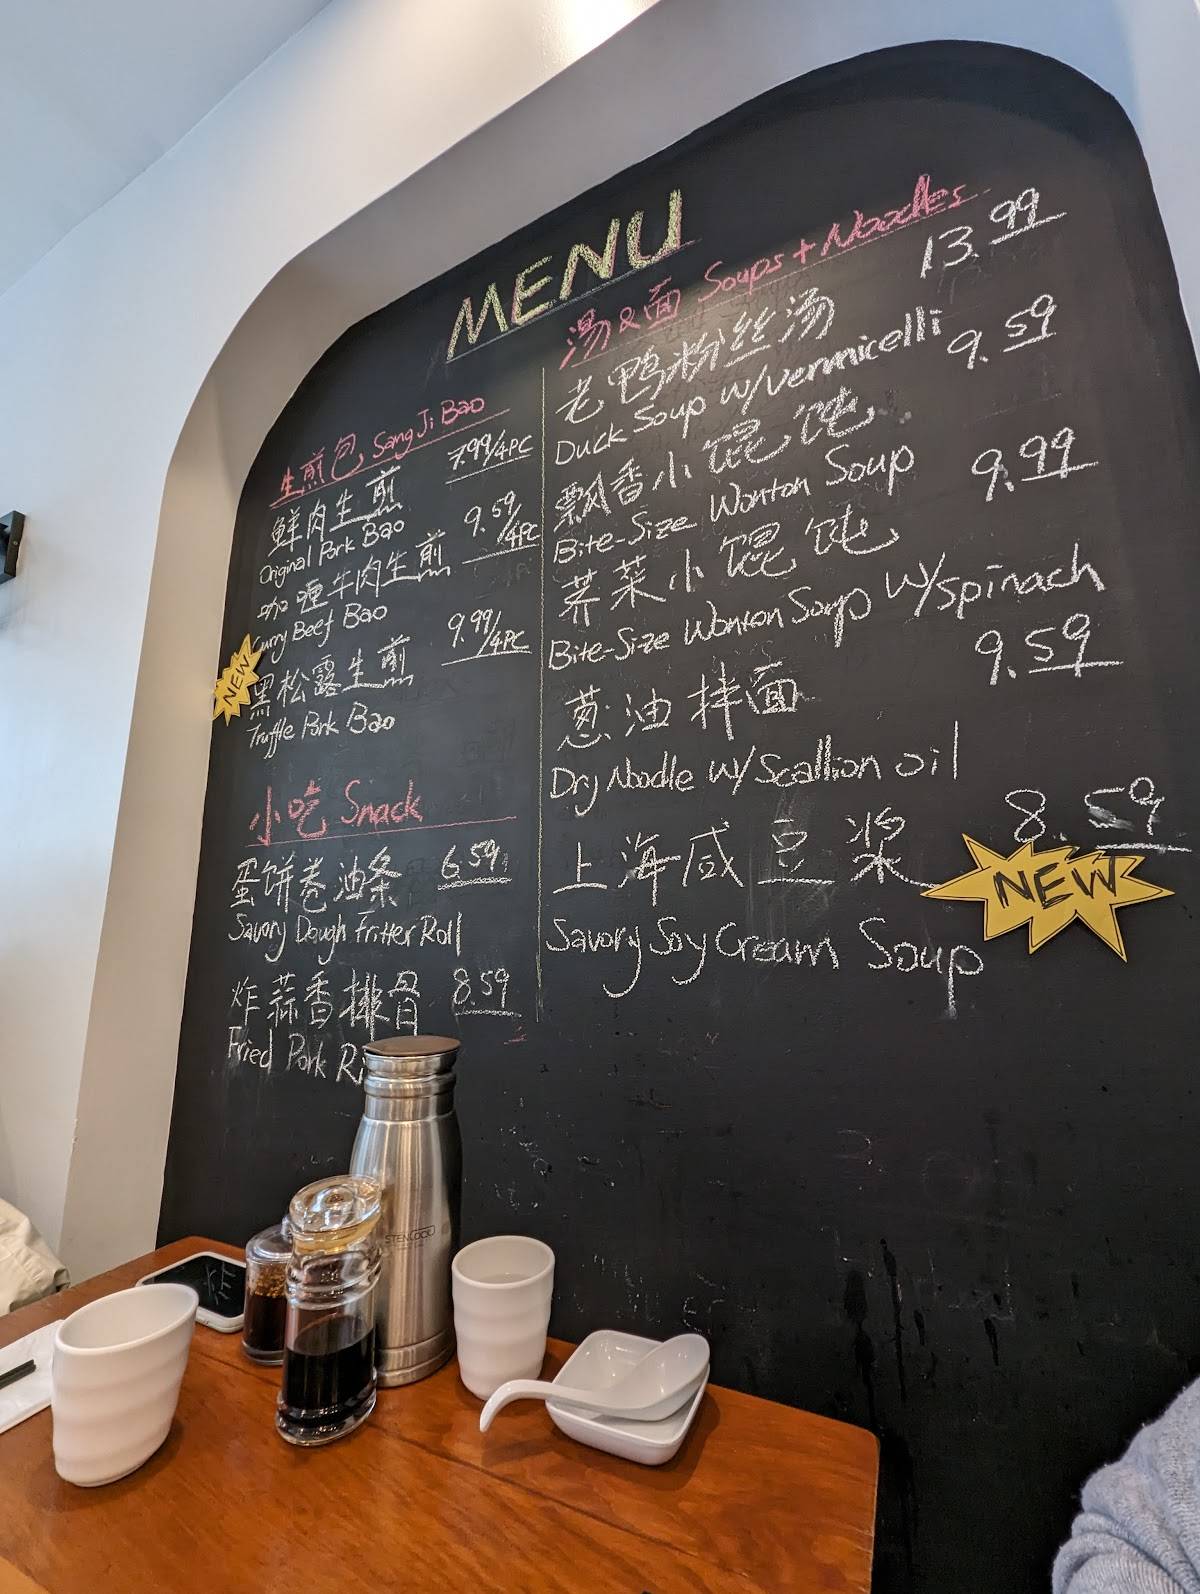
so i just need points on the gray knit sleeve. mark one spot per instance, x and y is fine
(1139, 1530)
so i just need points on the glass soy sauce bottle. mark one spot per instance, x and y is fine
(267, 1258)
(328, 1385)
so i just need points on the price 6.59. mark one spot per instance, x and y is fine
(1053, 649)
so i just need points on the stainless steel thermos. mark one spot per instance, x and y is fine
(409, 1141)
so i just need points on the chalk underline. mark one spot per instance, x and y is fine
(392, 830)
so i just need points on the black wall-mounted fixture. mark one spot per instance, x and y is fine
(11, 527)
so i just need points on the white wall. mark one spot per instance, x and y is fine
(106, 351)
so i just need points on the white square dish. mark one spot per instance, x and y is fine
(597, 1363)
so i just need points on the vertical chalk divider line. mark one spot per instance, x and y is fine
(541, 702)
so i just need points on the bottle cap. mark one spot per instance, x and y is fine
(273, 1245)
(334, 1214)
(411, 1057)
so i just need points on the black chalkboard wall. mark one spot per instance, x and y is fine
(647, 608)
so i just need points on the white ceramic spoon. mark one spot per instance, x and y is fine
(653, 1387)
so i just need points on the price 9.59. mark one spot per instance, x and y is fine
(1052, 650)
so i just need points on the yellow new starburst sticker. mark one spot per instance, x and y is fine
(1049, 890)
(232, 691)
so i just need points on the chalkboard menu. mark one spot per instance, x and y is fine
(645, 610)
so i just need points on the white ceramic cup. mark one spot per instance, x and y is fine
(502, 1290)
(115, 1378)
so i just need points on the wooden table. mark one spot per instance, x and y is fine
(760, 1497)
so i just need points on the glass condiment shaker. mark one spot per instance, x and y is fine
(328, 1385)
(267, 1258)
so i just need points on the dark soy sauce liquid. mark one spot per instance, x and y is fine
(328, 1378)
(262, 1328)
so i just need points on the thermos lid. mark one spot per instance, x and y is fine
(411, 1056)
